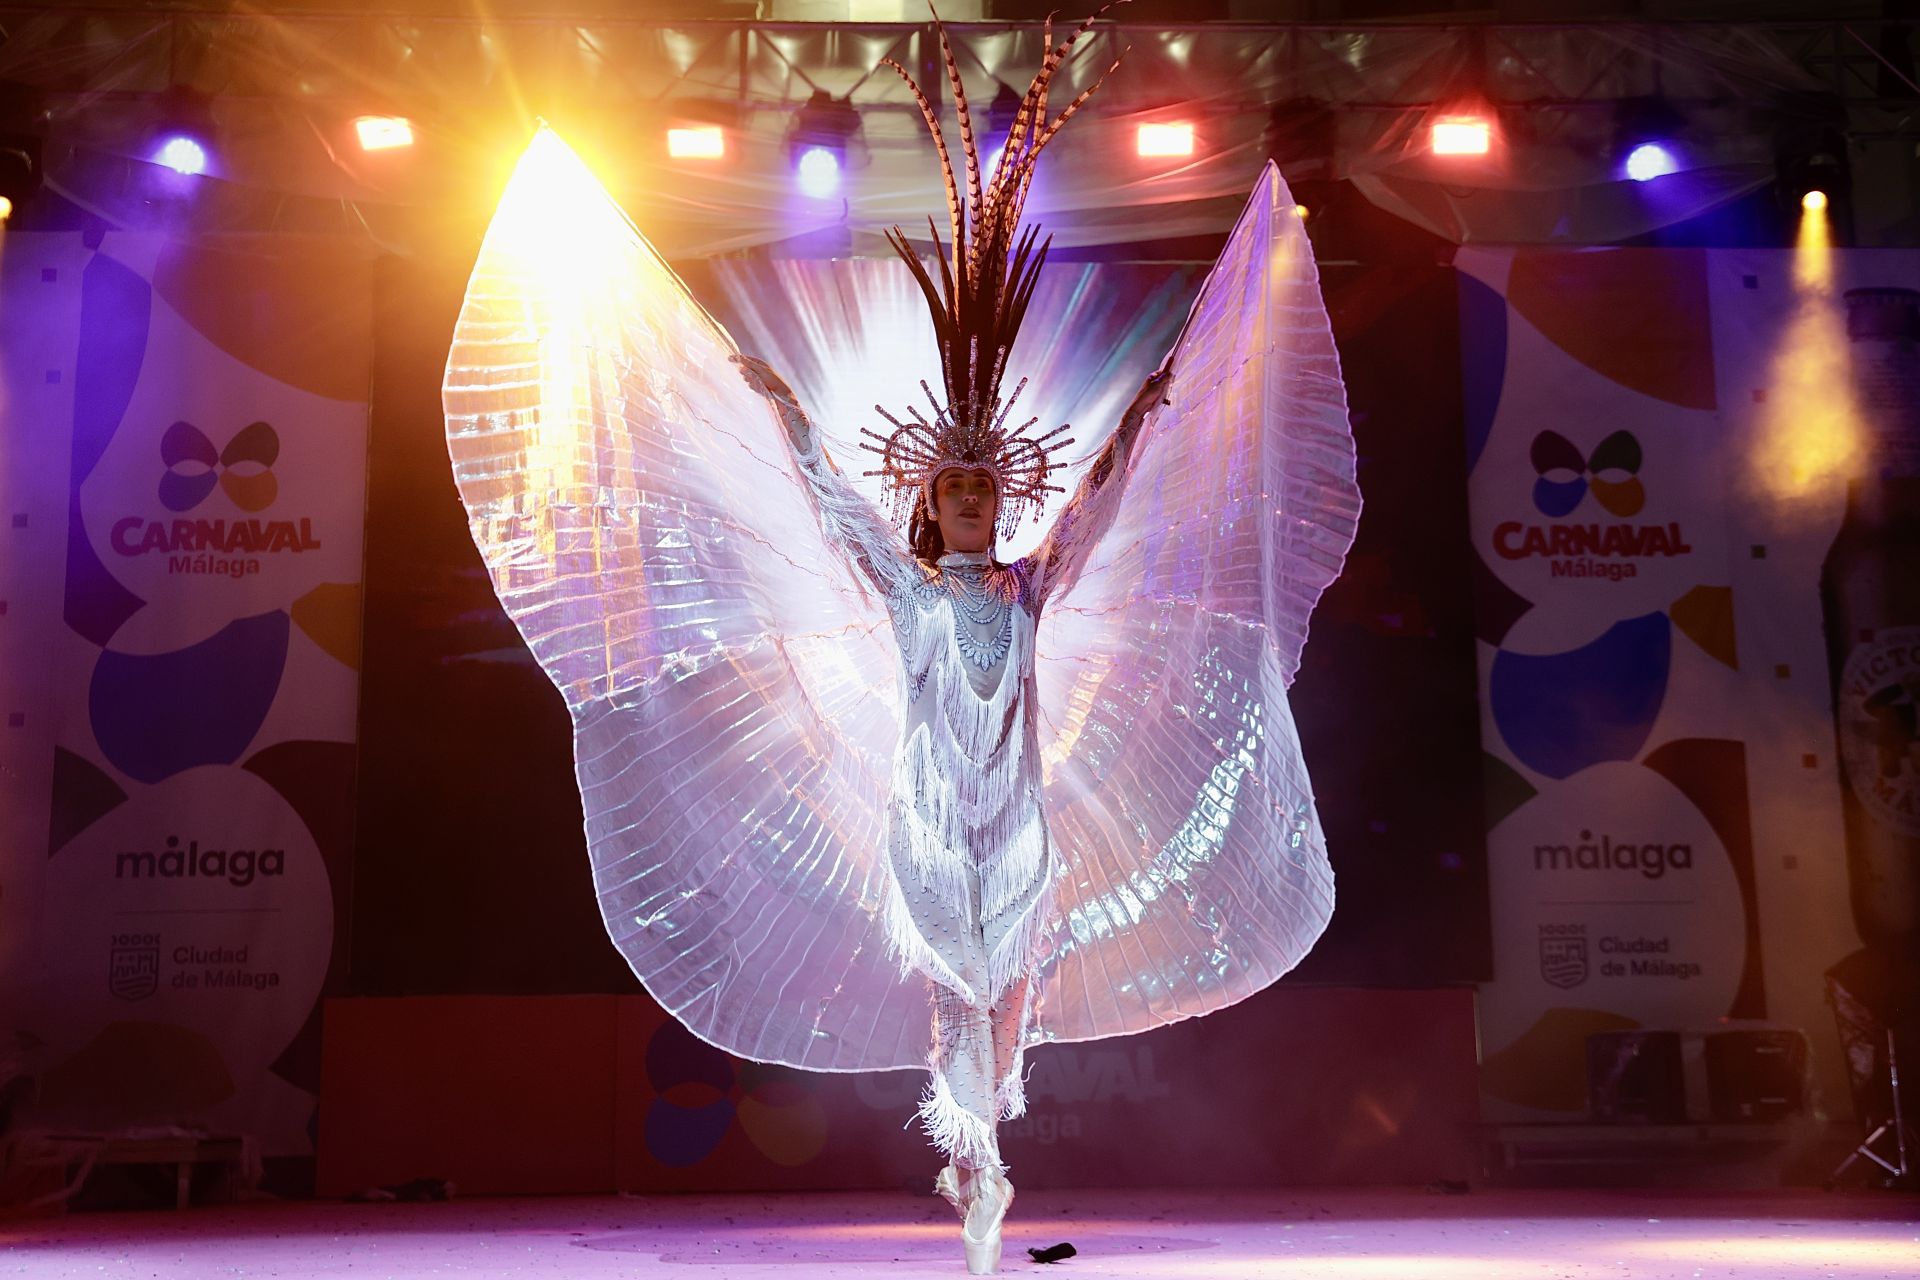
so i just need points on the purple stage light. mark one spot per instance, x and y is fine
(182, 155)
(1650, 160)
(818, 171)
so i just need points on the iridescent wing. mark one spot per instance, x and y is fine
(1196, 868)
(730, 679)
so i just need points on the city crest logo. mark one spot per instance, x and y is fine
(133, 966)
(1563, 958)
(243, 470)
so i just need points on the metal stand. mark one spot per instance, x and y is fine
(1901, 1167)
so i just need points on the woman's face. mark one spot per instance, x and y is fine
(964, 506)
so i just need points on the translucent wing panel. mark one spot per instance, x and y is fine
(1197, 867)
(721, 842)
(731, 680)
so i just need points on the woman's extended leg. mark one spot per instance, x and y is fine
(960, 1108)
(1009, 1019)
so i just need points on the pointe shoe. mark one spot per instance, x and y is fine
(980, 1228)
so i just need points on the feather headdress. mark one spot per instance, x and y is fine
(985, 281)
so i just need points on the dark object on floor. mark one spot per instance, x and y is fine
(1053, 1252)
(1448, 1187)
(418, 1189)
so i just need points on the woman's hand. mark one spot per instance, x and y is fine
(1151, 394)
(759, 375)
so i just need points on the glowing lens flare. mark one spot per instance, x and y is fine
(6, 208)
(383, 133)
(818, 172)
(1650, 160)
(1462, 136)
(1164, 139)
(554, 233)
(1814, 201)
(182, 155)
(705, 142)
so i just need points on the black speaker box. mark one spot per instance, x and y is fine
(1756, 1075)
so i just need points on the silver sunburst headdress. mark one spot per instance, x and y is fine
(985, 283)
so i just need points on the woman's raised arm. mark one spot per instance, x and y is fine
(846, 515)
(1091, 509)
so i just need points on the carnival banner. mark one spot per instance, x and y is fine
(1657, 474)
(186, 425)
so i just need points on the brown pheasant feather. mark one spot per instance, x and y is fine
(979, 299)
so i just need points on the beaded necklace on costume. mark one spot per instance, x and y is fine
(982, 605)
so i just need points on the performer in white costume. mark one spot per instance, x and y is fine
(1079, 808)
(972, 865)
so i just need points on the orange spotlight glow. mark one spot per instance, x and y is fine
(1813, 250)
(1301, 211)
(1462, 136)
(1810, 434)
(1165, 139)
(703, 142)
(383, 133)
(6, 208)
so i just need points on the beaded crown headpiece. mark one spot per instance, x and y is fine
(985, 281)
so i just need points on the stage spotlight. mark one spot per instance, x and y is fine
(1301, 211)
(1160, 140)
(182, 154)
(383, 133)
(6, 208)
(1811, 160)
(817, 143)
(1645, 131)
(183, 131)
(697, 142)
(818, 172)
(1650, 160)
(1462, 136)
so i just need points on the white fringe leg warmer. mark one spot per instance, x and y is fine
(975, 1075)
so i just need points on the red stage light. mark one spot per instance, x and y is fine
(703, 142)
(1462, 136)
(1174, 139)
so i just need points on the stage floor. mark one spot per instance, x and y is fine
(1234, 1236)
